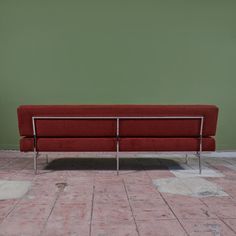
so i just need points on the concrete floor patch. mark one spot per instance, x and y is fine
(186, 173)
(230, 166)
(196, 187)
(10, 189)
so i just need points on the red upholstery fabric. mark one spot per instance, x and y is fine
(76, 128)
(69, 144)
(109, 144)
(128, 128)
(105, 128)
(160, 128)
(166, 144)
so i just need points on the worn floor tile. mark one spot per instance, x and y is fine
(181, 200)
(5, 207)
(21, 226)
(112, 213)
(194, 212)
(104, 229)
(160, 228)
(58, 228)
(159, 174)
(160, 213)
(69, 219)
(231, 223)
(207, 227)
(224, 207)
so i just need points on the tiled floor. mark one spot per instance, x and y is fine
(85, 197)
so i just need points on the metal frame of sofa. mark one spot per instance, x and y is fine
(118, 118)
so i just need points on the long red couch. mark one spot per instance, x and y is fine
(117, 128)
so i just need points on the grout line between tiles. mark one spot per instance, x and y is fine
(168, 205)
(227, 225)
(136, 226)
(91, 215)
(52, 208)
(219, 218)
(16, 204)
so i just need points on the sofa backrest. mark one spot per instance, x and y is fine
(107, 127)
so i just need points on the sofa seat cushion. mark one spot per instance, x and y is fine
(166, 144)
(69, 144)
(109, 144)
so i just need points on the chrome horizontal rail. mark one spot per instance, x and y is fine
(115, 117)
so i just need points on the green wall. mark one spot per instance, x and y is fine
(132, 52)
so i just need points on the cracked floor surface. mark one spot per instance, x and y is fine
(84, 196)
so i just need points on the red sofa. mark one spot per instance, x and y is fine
(117, 128)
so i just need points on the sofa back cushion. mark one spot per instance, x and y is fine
(107, 127)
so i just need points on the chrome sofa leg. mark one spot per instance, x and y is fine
(199, 162)
(117, 163)
(186, 158)
(35, 162)
(47, 159)
(117, 145)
